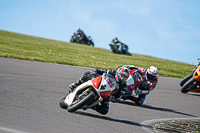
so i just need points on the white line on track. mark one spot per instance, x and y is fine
(9, 130)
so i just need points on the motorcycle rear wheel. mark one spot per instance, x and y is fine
(185, 87)
(80, 103)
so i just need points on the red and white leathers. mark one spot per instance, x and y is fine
(151, 83)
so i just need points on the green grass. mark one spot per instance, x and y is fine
(18, 46)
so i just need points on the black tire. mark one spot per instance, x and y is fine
(111, 50)
(82, 102)
(186, 79)
(185, 87)
(92, 44)
(62, 104)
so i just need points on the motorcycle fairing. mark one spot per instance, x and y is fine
(70, 98)
(131, 87)
(105, 86)
(96, 82)
(130, 81)
(196, 90)
(196, 74)
(105, 94)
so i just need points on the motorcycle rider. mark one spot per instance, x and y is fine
(80, 31)
(119, 45)
(149, 81)
(82, 38)
(73, 38)
(115, 41)
(115, 45)
(121, 76)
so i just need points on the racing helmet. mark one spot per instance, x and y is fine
(151, 73)
(78, 29)
(122, 74)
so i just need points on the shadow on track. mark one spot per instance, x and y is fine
(154, 108)
(193, 94)
(111, 119)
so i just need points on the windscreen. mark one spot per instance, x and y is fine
(111, 80)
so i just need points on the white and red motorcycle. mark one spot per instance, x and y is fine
(89, 93)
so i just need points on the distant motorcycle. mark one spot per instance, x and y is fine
(119, 48)
(192, 81)
(82, 39)
(89, 93)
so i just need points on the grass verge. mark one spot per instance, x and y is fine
(18, 46)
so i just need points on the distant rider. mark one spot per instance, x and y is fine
(121, 76)
(115, 44)
(82, 38)
(119, 45)
(80, 31)
(73, 38)
(150, 79)
(115, 41)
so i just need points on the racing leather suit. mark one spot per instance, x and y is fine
(146, 86)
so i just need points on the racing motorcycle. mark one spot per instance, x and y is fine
(133, 83)
(89, 93)
(192, 81)
(119, 48)
(82, 39)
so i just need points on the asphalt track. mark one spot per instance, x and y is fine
(30, 93)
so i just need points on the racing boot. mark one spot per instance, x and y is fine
(73, 86)
(115, 99)
(83, 79)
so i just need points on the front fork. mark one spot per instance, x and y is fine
(195, 87)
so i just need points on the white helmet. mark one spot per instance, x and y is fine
(78, 29)
(151, 73)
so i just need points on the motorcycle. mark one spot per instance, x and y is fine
(133, 84)
(119, 48)
(192, 81)
(82, 39)
(89, 93)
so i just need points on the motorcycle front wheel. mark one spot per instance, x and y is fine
(186, 79)
(186, 86)
(79, 103)
(62, 104)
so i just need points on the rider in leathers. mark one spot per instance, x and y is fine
(150, 79)
(121, 77)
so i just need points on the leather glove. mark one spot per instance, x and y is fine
(144, 86)
(93, 72)
(111, 72)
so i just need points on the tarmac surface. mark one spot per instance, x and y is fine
(30, 93)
